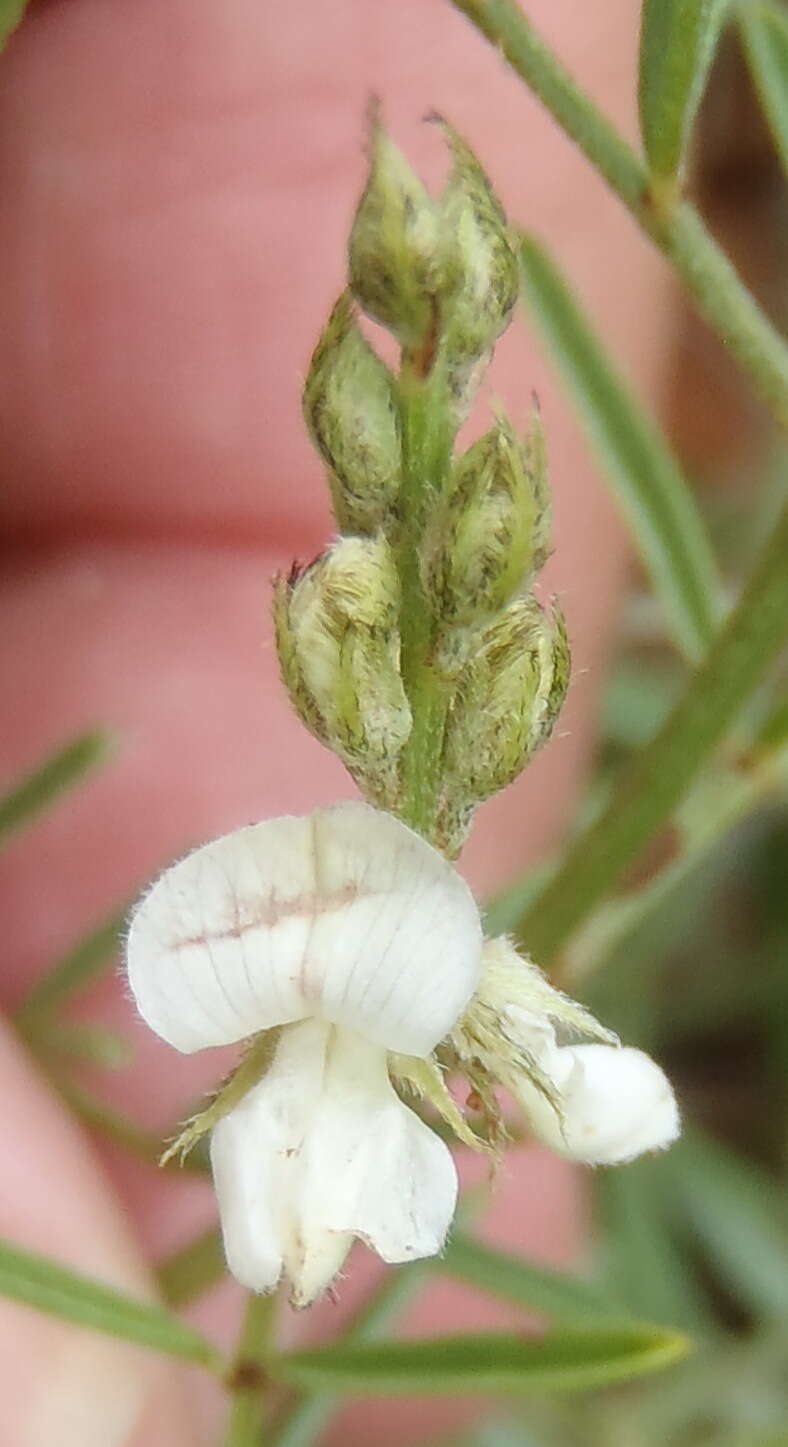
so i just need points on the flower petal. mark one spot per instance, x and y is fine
(617, 1103)
(257, 1165)
(320, 1151)
(371, 1166)
(346, 914)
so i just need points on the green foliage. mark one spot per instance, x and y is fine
(653, 784)
(497, 1363)
(11, 12)
(555, 1294)
(79, 967)
(47, 1286)
(61, 771)
(677, 43)
(764, 29)
(736, 1219)
(663, 517)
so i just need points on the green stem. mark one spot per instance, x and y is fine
(248, 1379)
(302, 1419)
(653, 784)
(674, 226)
(427, 436)
(708, 821)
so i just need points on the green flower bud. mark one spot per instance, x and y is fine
(478, 267)
(350, 410)
(507, 699)
(442, 276)
(481, 543)
(392, 249)
(338, 645)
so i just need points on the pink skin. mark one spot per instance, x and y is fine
(177, 179)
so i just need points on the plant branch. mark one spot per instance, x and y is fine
(673, 225)
(427, 436)
(653, 784)
(247, 1380)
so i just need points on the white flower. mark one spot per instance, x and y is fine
(353, 933)
(613, 1102)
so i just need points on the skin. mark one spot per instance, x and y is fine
(176, 183)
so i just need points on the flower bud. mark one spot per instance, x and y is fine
(392, 250)
(338, 645)
(442, 276)
(483, 537)
(507, 699)
(479, 269)
(350, 410)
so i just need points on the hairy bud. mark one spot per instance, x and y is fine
(350, 410)
(487, 532)
(338, 645)
(507, 700)
(442, 276)
(392, 250)
(479, 268)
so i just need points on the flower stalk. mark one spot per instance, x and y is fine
(427, 440)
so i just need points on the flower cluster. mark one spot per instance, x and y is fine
(356, 952)
(343, 949)
(432, 574)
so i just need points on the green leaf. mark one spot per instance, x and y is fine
(193, 1270)
(62, 771)
(77, 969)
(502, 1364)
(721, 297)
(678, 39)
(764, 30)
(660, 510)
(650, 788)
(301, 1421)
(554, 1293)
(11, 12)
(48, 1287)
(737, 1216)
(640, 1253)
(90, 1044)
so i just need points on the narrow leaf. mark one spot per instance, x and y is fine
(502, 1364)
(193, 1270)
(77, 969)
(48, 1287)
(678, 39)
(650, 789)
(11, 12)
(664, 521)
(554, 1293)
(90, 1044)
(43, 786)
(640, 1253)
(301, 1421)
(737, 1215)
(764, 30)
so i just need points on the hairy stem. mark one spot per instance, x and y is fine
(427, 436)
